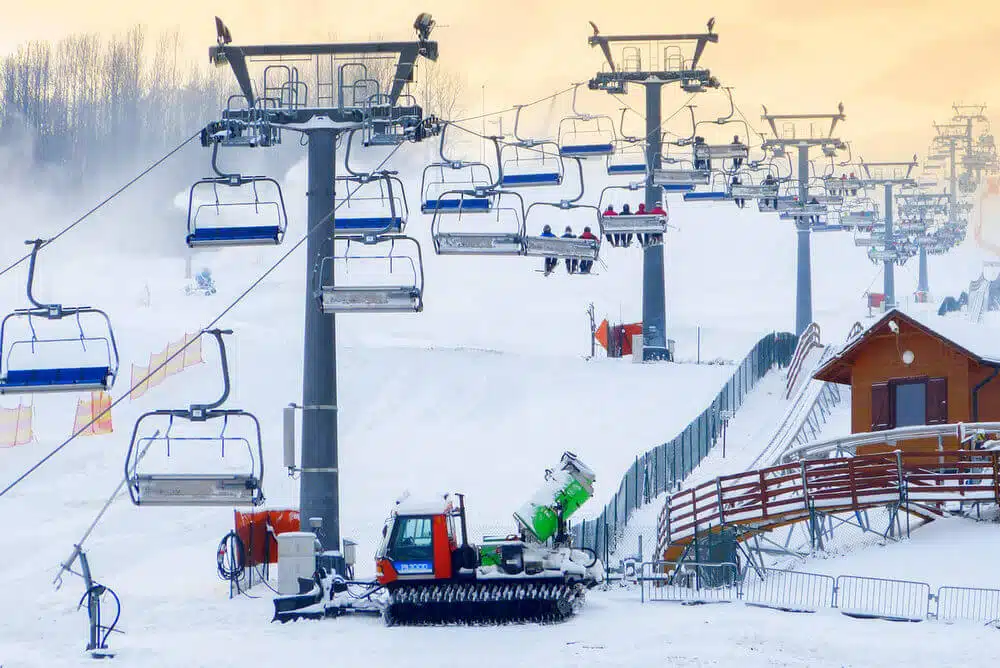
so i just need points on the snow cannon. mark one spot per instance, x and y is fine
(562, 495)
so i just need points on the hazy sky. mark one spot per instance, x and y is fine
(896, 64)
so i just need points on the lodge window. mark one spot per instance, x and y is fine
(904, 402)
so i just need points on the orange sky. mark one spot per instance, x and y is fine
(896, 64)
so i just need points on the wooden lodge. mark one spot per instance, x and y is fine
(906, 370)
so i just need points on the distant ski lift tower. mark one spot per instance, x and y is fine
(924, 206)
(887, 175)
(322, 90)
(653, 60)
(786, 136)
(951, 136)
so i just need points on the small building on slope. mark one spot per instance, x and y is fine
(906, 370)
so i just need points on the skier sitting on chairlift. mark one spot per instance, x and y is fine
(740, 202)
(625, 239)
(737, 161)
(657, 210)
(613, 239)
(585, 265)
(550, 262)
(571, 263)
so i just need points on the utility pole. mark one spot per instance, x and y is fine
(652, 61)
(887, 175)
(284, 105)
(801, 211)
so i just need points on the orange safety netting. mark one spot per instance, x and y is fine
(15, 426)
(93, 413)
(162, 368)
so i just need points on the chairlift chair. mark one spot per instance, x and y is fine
(450, 176)
(537, 165)
(160, 438)
(713, 194)
(498, 230)
(633, 223)
(35, 361)
(388, 294)
(370, 204)
(232, 209)
(560, 247)
(681, 180)
(627, 159)
(584, 135)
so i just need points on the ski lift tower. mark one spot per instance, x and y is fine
(652, 61)
(786, 137)
(974, 161)
(924, 206)
(888, 175)
(950, 136)
(320, 91)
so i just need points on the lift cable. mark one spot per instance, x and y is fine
(108, 199)
(181, 350)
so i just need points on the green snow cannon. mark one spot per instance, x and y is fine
(562, 495)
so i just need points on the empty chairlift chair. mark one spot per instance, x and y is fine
(584, 135)
(443, 183)
(534, 166)
(495, 231)
(377, 275)
(235, 210)
(628, 158)
(718, 191)
(203, 455)
(56, 348)
(370, 205)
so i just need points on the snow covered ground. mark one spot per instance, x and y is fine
(479, 394)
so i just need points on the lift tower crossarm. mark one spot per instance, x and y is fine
(701, 39)
(691, 77)
(834, 119)
(237, 57)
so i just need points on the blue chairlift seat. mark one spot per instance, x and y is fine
(614, 170)
(678, 188)
(41, 380)
(235, 236)
(347, 226)
(455, 204)
(533, 179)
(706, 196)
(586, 150)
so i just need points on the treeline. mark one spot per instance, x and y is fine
(88, 102)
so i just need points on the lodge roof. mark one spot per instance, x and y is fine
(977, 342)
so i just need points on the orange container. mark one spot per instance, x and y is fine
(258, 528)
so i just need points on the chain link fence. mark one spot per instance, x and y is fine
(660, 469)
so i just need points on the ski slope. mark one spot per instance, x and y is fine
(479, 394)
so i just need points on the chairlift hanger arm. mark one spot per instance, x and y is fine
(203, 409)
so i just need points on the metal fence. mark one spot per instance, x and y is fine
(788, 590)
(690, 582)
(796, 591)
(660, 469)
